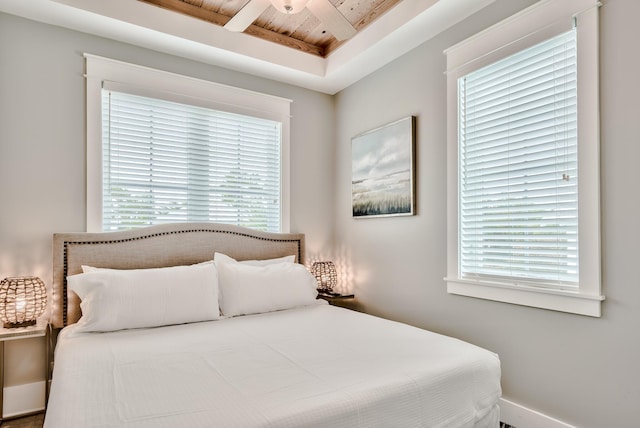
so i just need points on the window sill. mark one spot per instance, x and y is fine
(556, 300)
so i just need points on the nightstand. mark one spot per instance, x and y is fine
(6, 334)
(342, 300)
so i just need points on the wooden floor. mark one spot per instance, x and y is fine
(34, 421)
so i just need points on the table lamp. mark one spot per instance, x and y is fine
(326, 275)
(22, 300)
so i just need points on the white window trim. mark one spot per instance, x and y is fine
(173, 87)
(525, 29)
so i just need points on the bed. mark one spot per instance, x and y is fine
(149, 354)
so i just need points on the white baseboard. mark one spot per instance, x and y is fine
(522, 417)
(22, 399)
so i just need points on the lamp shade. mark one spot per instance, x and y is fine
(326, 275)
(22, 300)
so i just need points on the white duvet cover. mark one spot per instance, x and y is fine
(318, 366)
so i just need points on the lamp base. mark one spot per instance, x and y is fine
(327, 291)
(19, 324)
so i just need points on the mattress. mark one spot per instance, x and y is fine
(317, 366)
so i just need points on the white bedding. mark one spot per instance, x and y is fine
(318, 366)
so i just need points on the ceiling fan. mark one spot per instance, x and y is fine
(324, 10)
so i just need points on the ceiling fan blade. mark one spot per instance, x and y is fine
(245, 16)
(331, 17)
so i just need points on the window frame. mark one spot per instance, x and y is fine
(527, 28)
(183, 89)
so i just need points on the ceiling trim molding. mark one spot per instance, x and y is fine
(407, 25)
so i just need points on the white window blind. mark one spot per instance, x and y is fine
(518, 184)
(170, 162)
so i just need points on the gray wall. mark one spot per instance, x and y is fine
(581, 370)
(42, 151)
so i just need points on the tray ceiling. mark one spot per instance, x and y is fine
(287, 48)
(302, 31)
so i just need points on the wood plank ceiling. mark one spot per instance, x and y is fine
(301, 31)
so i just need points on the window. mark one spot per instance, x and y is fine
(174, 149)
(523, 161)
(169, 162)
(517, 153)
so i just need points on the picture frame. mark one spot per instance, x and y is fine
(383, 170)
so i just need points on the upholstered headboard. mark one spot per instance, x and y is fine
(156, 246)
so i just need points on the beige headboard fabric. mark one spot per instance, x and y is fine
(157, 246)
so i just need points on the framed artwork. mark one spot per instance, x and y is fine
(382, 174)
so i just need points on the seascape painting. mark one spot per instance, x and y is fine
(382, 182)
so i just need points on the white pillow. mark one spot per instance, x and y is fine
(123, 299)
(86, 268)
(223, 258)
(247, 289)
